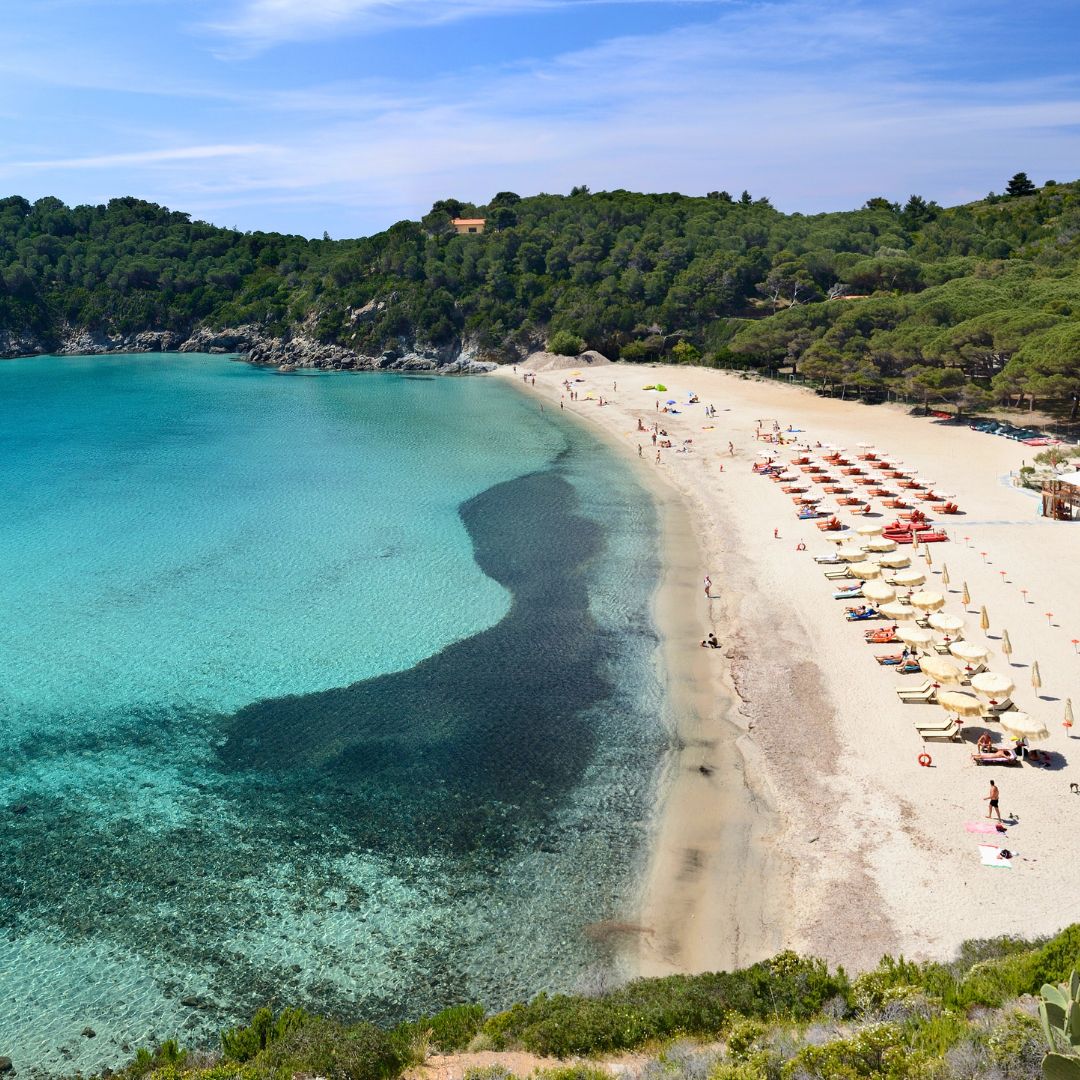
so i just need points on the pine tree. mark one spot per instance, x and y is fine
(1020, 185)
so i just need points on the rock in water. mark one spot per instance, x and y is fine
(6, 1065)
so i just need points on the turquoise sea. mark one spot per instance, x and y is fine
(336, 691)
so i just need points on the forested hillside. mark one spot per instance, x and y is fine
(970, 305)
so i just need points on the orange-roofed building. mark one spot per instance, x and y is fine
(465, 225)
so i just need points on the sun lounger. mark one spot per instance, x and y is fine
(949, 734)
(836, 575)
(1003, 757)
(922, 687)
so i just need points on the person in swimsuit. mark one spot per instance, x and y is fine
(992, 799)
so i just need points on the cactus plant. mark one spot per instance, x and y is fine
(1059, 1012)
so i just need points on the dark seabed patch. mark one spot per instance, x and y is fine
(374, 850)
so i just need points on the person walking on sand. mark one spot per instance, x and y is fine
(657, 457)
(731, 448)
(639, 450)
(993, 799)
(708, 587)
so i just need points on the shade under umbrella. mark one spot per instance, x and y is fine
(880, 545)
(984, 618)
(945, 575)
(869, 530)
(1036, 676)
(908, 579)
(927, 600)
(962, 704)
(914, 635)
(991, 684)
(895, 560)
(897, 612)
(941, 669)
(969, 652)
(878, 592)
(965, 595)
(1024, 726)
(865, 570)
(947, 624)
(1006, 644)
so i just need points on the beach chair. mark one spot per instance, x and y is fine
(1002, 757)
(837, 575)
(949, 734)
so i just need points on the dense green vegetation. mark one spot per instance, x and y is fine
(788, 1018)
(970, 305)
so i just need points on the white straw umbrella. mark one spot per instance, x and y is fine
(927, 600)
(869, 530)
(878, 592)
(881, 544)
(1068, 721)
(941, 670)
(914, 635)
(984, 618)
(945, 575)
(897, 612)
(1024, 726)
(946, 624)
(969, 652)
(965, 595)
(1036, 676)
(865, 570)
(1006, 644)
(991, 684)
(962, 704)
(908, 579)
(850, 553)
(926, 555)
(895, 560)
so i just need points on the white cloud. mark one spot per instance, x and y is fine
(144, 157)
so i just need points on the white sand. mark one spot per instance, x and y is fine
(868, 852)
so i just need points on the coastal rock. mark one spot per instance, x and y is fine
(20, 343)
(6, 1065)
(89, 1033)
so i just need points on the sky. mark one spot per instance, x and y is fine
(345, 116)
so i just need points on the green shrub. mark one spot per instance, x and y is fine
(449, 1030)
(879, 1050)
(326, 1048)
(565, 343)
(243, 1043)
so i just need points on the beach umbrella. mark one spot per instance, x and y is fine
(880, 545)
(969, 652)
(926, 555)
(984, 618)
(947, 624)
(1006, 644)
(897, 612)
(941, 669)
(1024, 726)
(896, 560)
(869, 530)
(965, 596)
(914, 635)
(927, 600)
(962, 704)
(1036, 676)
(878, 592)
(991, 684)
(851, 553)
(865, 570)
(1068, 713)
(945, 575)
(908, 579)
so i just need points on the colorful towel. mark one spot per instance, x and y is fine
(991, 856)
(982, 827)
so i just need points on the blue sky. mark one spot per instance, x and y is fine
(348, 115)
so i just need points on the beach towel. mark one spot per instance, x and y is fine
(982, 827)
(991, 856)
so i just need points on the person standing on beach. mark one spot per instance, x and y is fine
(731, 448)
(708, 587)
(657, 457)
(639, 450)
(993, 799)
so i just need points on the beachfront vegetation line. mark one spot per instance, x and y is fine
(965, 306)
(788, 1018)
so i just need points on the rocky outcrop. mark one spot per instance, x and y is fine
(253, 344)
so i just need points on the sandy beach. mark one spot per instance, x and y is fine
(796, 813)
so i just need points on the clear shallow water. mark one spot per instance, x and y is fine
(333, 691)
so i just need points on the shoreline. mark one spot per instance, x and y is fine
(844, 847)
(698, 877)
